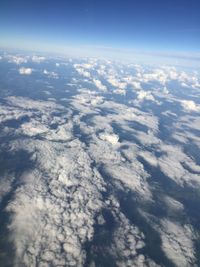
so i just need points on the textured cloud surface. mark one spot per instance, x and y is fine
(99, 164)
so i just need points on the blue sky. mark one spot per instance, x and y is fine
(143, 25)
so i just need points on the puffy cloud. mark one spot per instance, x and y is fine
(165, 74)
(88, 65)
(135, 85)
(171, 164)
(87, 156)
(127, 241)
(45, 223)
(196, 85)
(99, 85)
(38, 59)
(190, 105)
(173, 204)
(24, 103)
(81, 70)
(33, 128)
(119, 91)
(177, 242)
(158, 75)
(116, 83)
(112, 138)
(25, 71)
(17, 59)
(145, 95)
(149, 157)
(50, 74)
(6, 184)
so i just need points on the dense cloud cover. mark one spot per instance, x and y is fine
(100, 163)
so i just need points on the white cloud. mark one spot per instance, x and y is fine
(119, 91)
(38, 59)
(25, 103)
(99, 85)
(173, 205)
(88, 65)
(171, 164)
(196, 85)
(177, 243)
(33, 128)
(81, 70)
(59, 200)
(190, 105)
(135, 85)
(43, 220)
(149, 157)
(17, 59)
(6, 184)
(145, 95)
(51, 74)
(116, 83)
(25, 71)
(111, 138)
(127, 241)
(157, 75)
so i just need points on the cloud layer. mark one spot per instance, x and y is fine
(104, 168)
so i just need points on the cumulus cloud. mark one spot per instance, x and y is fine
(177, 243)
(82, 70)
(25, 71)
(99, 85)
(112, 138)
(135, 85)
(6, 184)
(190, 105)
(90, 155)
(127, 241)
(171, 163)
(39, 225)
(38, 59)
(17, 59)
(51, 74)
(116, 83)
(157, 75)
(173, 204)
(119, 91)
(45, 223)
(145, 95)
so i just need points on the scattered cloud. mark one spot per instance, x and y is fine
(81, 70)
(38, 59)
(51, 74)
(190, 105)
(99, 85)
(17, 59)
(112, 138)
(147, 95)
(25, 71)
(91, 154)
(177, 243)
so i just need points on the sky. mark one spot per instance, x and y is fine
(165, 26)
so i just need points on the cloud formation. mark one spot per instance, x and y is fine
(190, 105)
(25, 71)
(109, 165)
